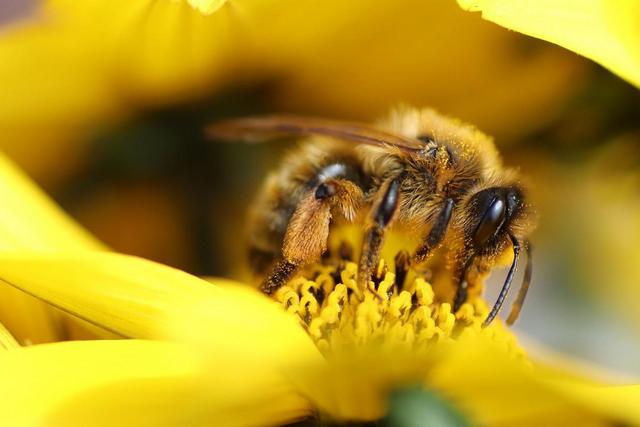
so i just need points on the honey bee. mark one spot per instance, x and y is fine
(435, 176)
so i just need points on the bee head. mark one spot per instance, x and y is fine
(495, 216)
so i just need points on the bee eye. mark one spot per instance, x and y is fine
(512, 201)
(491, 221)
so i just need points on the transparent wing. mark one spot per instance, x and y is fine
(263, 128)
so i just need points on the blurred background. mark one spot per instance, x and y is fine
(104, 104)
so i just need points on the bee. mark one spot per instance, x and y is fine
(435, 176)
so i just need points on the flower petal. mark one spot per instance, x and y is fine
(7, 341)
(138, 298)
(477, 375)
(243, 321)
(245, 333)
(496, 389)
(129, 296)
(138, 383)
(30, 220)
(618, 402)
(604, 31)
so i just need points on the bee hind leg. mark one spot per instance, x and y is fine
(281, 272)
(307, 232)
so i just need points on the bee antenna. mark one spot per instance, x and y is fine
(524, 287)
(507, 283)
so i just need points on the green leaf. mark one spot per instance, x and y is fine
(418, 407)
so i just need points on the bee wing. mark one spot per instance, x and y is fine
(262, 128)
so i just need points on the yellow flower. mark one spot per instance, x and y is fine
(198, 353)
(604, 31)
(223, 354)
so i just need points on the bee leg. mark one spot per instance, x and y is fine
(305, 239)
(462, 289)
(436, 234)
(278, 277)
(382, 213)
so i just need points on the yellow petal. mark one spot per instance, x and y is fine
(607, 32)
(30, 220)
(53, 83)
(499, 390)
(28, 319)
(618, 402)
(138, 383)
(64, 75)
(248, 325)
(244, 321)
(126, 295)
(139, 42)
(142, 299)
(486, 383)
(7, 341)
(246, 335)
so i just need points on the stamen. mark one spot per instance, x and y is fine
(393, 313)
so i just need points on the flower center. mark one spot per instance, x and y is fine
(397, 310)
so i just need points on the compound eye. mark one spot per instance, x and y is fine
(490, 223)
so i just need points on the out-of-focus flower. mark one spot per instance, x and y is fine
(215, 353)
(604, 31)
(66, 77)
